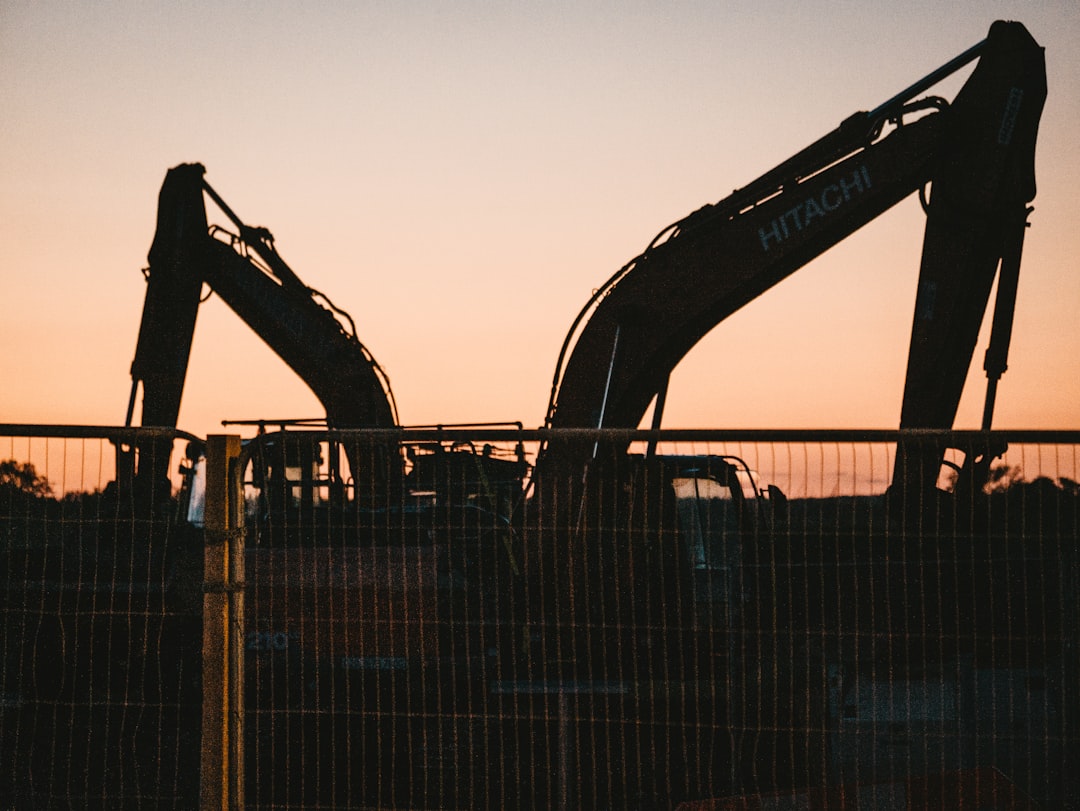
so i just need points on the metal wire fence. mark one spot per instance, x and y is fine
(481, 618)
(100, 629)
(647, 619)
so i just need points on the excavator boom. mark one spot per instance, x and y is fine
(977, 153)
(268, 296)
(275, 304)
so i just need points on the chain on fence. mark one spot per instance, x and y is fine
(515, 619)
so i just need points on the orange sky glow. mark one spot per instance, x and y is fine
(460, 177)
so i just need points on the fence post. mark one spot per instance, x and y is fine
(221, 772)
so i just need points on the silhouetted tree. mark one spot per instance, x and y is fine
(22, 477)
(1001, 477)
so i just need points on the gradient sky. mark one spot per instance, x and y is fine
(460, 176)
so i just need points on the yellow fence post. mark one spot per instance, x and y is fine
(221, 772)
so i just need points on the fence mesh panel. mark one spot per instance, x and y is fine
(100, 629)
(794, 618)
(441, 619)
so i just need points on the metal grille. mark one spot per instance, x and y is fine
(101, 626)
(455, 619)
(760, 619)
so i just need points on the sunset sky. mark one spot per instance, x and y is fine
(461, 176)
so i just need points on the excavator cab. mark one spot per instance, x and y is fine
(721, 512)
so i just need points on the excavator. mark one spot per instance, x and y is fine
(620, 590)
(315, 338)
(377, 512)
(976, 155)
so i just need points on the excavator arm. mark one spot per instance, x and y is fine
(719, 260)
(976, 153)
(266, 294)
(173, 291)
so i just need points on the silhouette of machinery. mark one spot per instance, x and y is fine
(593, 613)
(976, 155)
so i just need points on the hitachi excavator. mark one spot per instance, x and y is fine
(759, 643)
(976, 155)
